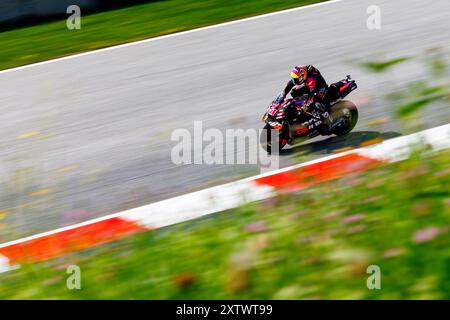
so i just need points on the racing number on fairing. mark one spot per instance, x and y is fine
(272, 110)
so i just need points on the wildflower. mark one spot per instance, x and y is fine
(424, 235)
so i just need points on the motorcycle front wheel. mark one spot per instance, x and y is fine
(266, 141)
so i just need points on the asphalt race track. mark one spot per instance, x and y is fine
(90, 135)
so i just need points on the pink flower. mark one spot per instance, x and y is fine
(259, 226)
(394, 252)
(53, 280)
(353, 218)
(333, 215)
(442, 173)
(356, 229)
(373, 199)
(62, 266)
(424, 235)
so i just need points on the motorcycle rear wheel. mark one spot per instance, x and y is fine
(345, 117)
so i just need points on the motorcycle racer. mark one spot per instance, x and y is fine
(307, 79)
(304, 80)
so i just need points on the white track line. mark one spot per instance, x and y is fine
(220, 25)
(4, 264)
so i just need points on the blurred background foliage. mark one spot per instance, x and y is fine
(409, 101)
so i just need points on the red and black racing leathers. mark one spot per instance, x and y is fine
(314, 83)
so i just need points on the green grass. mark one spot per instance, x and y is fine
(316, 244)
(51, 40)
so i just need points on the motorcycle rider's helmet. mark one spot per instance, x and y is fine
(299, 74)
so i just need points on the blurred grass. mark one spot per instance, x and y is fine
(410, 101)
(313, 245)
(381, 66)
(51, 40)
(420, 95)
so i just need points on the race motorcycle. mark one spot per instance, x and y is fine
(298, 119)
